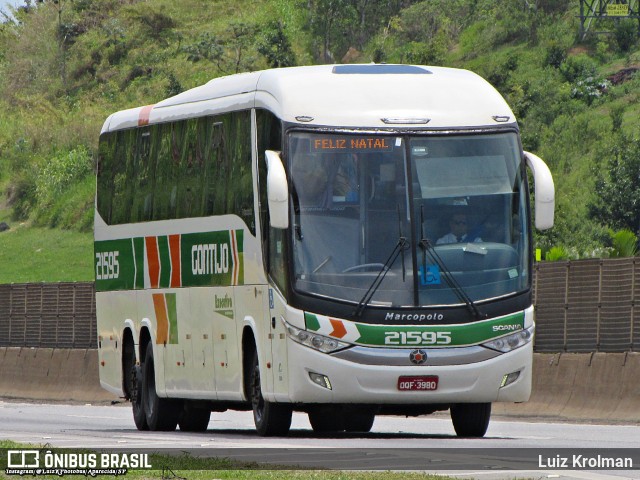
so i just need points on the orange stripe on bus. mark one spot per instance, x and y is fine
(153, 260)
(339, 330)
(174, 251)
(234, 248)
(162, 319)
(143, 117)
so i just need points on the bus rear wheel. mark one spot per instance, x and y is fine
(471, 419)
(271, 419)
(139, 415)
(161, 413)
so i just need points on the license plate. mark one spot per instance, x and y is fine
(420, 384)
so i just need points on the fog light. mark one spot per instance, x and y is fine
(321, 380)
(509, 378)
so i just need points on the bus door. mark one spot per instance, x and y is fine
(278, 344)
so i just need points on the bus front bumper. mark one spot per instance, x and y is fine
(348, 381)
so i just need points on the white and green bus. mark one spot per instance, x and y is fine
(284, 240)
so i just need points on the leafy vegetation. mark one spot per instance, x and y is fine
(65, 65)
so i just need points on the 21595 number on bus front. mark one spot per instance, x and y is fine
(417, 338)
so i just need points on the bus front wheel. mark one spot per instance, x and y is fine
(471, 419)
(271, 419)
(326, 419)
(359, 422)
(161, 413)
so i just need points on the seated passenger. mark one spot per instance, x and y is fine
(458, 231)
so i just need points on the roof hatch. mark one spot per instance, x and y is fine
(379, 69)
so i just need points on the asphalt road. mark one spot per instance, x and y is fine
(423, 443)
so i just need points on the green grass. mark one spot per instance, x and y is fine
(187, 467)
(33, 254)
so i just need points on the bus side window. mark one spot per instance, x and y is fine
(189, 176)
(123, 172)
(277, 257)
(240, 183)
(269, 133)
(106, 159)
(142, 178)
(161, 194)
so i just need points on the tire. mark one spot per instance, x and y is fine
(194, 419)
(471, 419)
(161, 413)
(271, 419)
(359, 421)
(135, 389)
(326, 419)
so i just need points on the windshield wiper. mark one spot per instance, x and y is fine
(296, 214)
(398, 249)
(427, 246)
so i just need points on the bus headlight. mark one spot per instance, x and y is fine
(511, 342)
(313, 340)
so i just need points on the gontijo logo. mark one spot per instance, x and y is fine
(211, 258)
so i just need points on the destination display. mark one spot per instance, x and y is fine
(351, 144)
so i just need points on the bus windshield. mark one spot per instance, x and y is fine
(423, 220)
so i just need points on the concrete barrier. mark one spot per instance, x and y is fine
(599, 387)
(69, 375)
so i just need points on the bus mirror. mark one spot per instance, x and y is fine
(544, 191)
(277, 191)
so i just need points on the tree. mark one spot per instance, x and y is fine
(240, 37)
(624, 243)
(617, 187)
(330, 22)
(276, 47)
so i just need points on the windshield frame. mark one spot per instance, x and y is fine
(442, 313)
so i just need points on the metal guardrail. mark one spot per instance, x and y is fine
(581, 306)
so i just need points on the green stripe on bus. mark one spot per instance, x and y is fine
(172, 313)
(439, 335)
(165, 262)
(240, 243)
(427, 335)
(311, 321)
(138, 245)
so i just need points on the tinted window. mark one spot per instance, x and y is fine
(191, 168)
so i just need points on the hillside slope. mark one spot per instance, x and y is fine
(65, 66)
